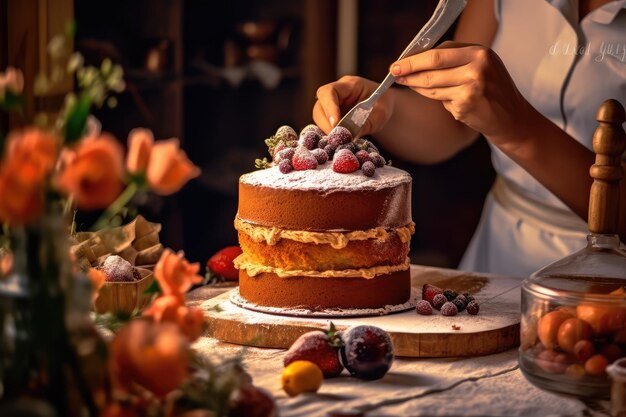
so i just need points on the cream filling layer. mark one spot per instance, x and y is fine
(254, 269)
(338, 240)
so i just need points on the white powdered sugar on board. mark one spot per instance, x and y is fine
(324, 178)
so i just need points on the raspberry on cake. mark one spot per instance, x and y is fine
(321, 239)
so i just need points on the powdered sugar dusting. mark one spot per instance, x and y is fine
(237, 300)
(325, 179)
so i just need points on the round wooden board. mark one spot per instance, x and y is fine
(494, 329)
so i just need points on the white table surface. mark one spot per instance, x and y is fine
(489, 385)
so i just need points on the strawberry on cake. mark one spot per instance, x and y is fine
(326, 226)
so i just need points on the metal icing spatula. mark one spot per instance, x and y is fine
(445, 14)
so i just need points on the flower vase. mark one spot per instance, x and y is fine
(46, 331)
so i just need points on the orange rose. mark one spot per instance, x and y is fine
(174, 274)
(169, 168)
(171, 308)
(97, 278)
(152, 355)
(140, 142)
(22, 197)
(34, 151)
(92, 172)
(30, 157)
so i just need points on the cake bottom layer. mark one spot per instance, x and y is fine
(318, 293)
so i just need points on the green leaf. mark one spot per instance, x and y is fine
(154, 288)
(77, 119)
(11, 101)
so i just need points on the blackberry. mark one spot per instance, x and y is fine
(468, 296)
(450, 294)
(309, 139)
(320, 155)
(285, 166)
(368, 169)
(378, 160)
(424, 308)
(363, 157)
(330, 151)
(439, 300)
(349, 146)
(286, 153)
(339, 135)
(472, 308)
(449, 309)
(460, 302)
(323, 142)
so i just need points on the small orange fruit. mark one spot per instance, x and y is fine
(301, 376)
(548, 327)
(571, 331)
(604, 320)
(596, 365)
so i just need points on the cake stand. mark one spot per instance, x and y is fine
(494, 329)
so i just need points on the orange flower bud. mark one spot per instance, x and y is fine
(174, 274)
(140, 142)
(152, 355)
(97, 279)
(92, 172)
(171, 308)
(169, 168)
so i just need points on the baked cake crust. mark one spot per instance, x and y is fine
(317, 293)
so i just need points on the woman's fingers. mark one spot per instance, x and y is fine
(447, 55)
(337, 96)
(439, 78)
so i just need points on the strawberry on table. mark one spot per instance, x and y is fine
(429, 292)
(221, 263)
(319, 347)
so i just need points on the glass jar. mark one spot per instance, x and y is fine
(574, 319)
(573, 323)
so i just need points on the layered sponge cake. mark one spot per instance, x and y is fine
(319, 239)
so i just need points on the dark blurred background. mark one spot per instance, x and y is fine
(222, 76)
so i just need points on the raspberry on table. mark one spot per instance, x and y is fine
(439, 300)
(424, 308)
(472, 308)
(320, 155)
(285, 166)
(449, 309)
(303, 159)
(345, 162)
(450, 294)
(368, 169)
(339, 136)
(429, 292)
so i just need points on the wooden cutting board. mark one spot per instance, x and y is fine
(494, 329)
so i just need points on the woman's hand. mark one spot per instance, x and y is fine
(336, 98)
(472, 84)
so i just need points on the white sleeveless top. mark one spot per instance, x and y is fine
(565, 69)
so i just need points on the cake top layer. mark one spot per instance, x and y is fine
(324, 178)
